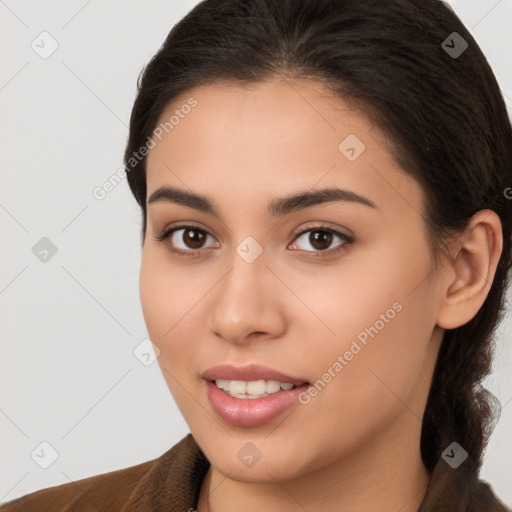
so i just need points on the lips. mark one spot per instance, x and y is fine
(249, 373)
(242, 412)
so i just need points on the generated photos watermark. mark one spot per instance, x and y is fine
(357, 345)
(101, 191)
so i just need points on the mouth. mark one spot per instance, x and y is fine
(251, 395)
(244, 404)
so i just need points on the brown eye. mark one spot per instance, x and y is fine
(185, 240)
(321, 240)
(193, 238)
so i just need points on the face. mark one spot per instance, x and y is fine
(336, 291)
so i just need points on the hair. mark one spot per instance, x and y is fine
(444, 116)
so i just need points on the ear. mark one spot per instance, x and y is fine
(470, 274)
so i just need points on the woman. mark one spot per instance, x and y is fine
(325, 191)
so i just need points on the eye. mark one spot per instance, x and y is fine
(184, 237)
(321, 239)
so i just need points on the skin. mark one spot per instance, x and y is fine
(354, 446)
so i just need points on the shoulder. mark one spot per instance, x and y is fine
(174, 478)
(107, 491)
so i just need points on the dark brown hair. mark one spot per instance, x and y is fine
(443, 114)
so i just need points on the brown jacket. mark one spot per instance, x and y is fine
(172, 482)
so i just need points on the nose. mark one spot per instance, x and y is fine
(247, 303)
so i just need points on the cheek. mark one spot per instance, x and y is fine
(165, 294)
(379, 340)
(154, 299)
(373, 385)
(168, 303)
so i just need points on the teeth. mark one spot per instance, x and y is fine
(272, 386)
(252, 389)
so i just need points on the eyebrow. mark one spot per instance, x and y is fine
(277, 207)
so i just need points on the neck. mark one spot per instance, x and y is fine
(385, 475)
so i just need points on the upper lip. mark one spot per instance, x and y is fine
(249, 373)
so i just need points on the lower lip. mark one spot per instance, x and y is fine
(251, 412)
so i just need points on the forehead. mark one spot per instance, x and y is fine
(272, 136)
(258, 117)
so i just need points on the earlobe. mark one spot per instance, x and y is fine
(472, 270)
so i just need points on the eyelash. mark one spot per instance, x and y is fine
(178, 252)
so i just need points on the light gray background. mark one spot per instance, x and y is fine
(69, 376)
